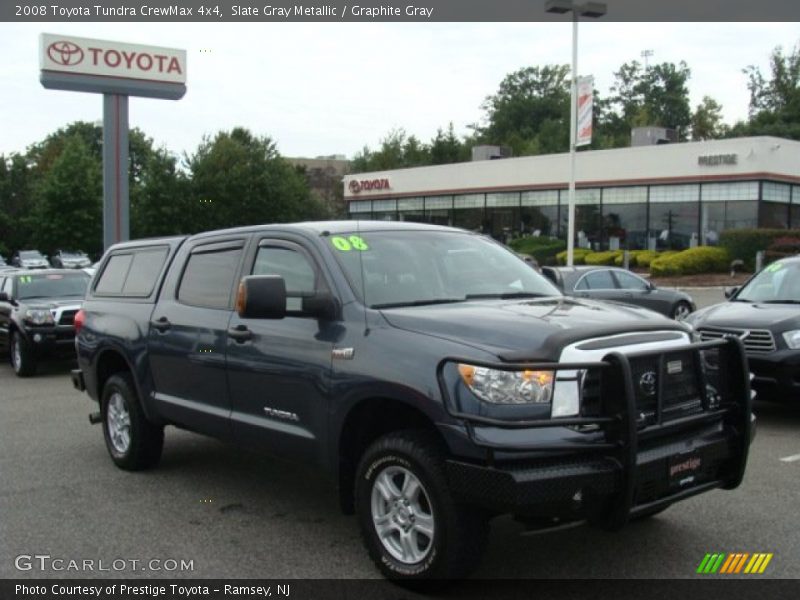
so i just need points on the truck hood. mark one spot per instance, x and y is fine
(51, 302)
(747, 315)
(536, 329)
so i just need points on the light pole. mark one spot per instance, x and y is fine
(592, 10)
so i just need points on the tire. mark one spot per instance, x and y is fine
(400, 482)
(681, 310)
(133, 442)
(23, 360)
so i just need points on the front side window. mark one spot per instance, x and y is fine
(600, 280)
(778, 283)
(293, 266)
(627, 281)
(208, 278)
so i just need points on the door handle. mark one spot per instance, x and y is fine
(161, 324)
(240, 333)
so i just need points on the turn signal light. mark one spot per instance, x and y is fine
(80, 319)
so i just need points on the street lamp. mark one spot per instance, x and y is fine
(592, 10)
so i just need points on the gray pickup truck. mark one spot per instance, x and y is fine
(434, 376)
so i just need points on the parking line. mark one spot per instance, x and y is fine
(791, 458)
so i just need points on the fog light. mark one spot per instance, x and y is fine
(37, 337)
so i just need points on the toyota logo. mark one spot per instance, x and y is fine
(647, 383)
(65, 53)
(354, 186)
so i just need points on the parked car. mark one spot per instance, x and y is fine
(30, 259)
(620, 285)
(436, 378)
(765, 314)
(37, 311)
(67, 259)
(4, 266)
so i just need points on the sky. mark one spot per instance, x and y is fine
(331, 88)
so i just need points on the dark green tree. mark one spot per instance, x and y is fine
(707, 120)
(238, 178)
(68, 207)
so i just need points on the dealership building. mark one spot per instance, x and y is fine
(655, 196)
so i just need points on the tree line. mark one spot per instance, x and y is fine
(530, 112)
(51, 195)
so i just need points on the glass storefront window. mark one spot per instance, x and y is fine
(674, 193)
(774, 215)
(674, 224)
(625, 217)
(776, 192)
(411, 209)
(360, 206)
(721, 192)
(539, 212)
(438, 210)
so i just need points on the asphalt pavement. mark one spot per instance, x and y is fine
(233, 514)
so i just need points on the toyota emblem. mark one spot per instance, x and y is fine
(354, 186)
(647, 383)
(65, 53)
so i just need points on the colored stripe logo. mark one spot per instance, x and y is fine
(734, 563)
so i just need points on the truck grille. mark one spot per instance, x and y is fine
(67, 317)
(756, 341)
(674, 379)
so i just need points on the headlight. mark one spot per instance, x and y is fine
(792, 338)
(38, 316)
(508, 387)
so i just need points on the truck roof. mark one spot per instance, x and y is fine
(333, 227)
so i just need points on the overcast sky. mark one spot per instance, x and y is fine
(331, 88)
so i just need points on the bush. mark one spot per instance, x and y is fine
(578, 256)
(703, 259)
(785, 245)
(744, 243)
(644, 258)
(541, 248)
(602, 258)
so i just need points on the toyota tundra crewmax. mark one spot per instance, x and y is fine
(433, 375)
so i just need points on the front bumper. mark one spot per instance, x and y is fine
(58, 339)
(631, 468)
(776, 375)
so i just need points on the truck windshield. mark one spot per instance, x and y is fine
(51, 286)
(778, 283)
(405, 268)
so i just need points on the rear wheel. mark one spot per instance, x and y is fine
(411, 525)
(23, 359)
(133, 442)
(681, 310)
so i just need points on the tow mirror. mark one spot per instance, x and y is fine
(731, 291)
(261, 297)
(321, 305)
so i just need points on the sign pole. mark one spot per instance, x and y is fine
(116, 218)
(572, 135)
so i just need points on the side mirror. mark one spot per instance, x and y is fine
(261, 297)
(731, 291)
(323, 306)
(651, 286)
(4, 297)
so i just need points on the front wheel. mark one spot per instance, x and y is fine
(411, 525)
(681, 310)
(23, 359)
(133, 442)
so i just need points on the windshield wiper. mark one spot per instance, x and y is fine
(505, 296)
(418, 302)
(779, 302)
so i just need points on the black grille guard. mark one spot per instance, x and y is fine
(618, 419)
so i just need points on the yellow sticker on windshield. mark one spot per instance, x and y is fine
(353, 242)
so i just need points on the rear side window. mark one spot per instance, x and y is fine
(208, 278)
(132, 274)
(600, 280)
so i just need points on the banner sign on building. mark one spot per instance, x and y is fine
(585, 101)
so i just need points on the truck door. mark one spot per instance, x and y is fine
(188, 336)
(279, 369)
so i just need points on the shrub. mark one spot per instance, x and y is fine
(541, 248)
(744, 243)
(602, 258)
(785, 245)
(578, 256)
(644, 258)
(703, 259)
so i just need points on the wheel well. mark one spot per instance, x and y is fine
(109, 363)
(365, 423)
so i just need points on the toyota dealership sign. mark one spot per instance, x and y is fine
(83, 56)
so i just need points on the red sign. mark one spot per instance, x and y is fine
(367, 185)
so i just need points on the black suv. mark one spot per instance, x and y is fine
(37, 309)
(431, 373)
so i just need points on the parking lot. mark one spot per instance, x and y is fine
(233, 514)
